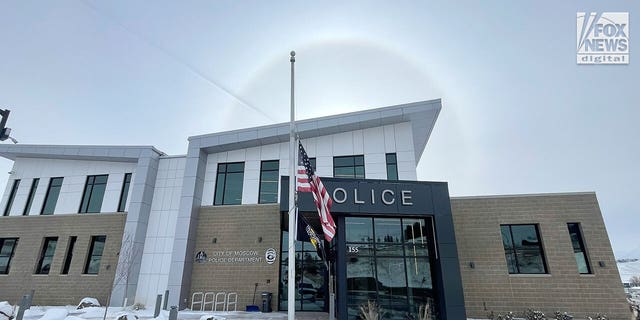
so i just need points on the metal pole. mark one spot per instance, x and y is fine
(23, 307)
(166, 299)
(173, 313)
(291, 293)
(158, 304)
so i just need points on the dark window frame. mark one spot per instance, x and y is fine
(260, 183)
(32, 194)
(354, 159)
(12, 196)
(91, 183)
(91, 254)
(10, 255)
(219, 173)
(48, 198)
(124, 193)
(515, 251)
(582, 248)
(69, 255)
(392, 167)
(44, 254)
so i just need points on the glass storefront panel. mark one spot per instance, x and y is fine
(394, 270)
(311, 271)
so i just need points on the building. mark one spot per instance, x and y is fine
(79, 220)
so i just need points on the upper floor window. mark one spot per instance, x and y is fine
(579, 250)
(7, 247)
(125, 192)
(50, 200)
(269, 172)
(12, 195)
(32, 193)
(92, 266)
(93, 194)
(348, 167)
(229, 183)
(392, 166)
(46, 255)
(523, 249)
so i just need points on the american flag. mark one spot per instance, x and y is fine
(307, 181)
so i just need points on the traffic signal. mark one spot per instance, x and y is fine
(4, 131)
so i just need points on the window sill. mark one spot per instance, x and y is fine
(587, 275)
(529, 275)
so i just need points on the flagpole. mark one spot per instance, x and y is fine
(291, 293)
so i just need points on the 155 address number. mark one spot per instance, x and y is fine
(352, 249)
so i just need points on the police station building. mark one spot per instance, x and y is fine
(211, 227)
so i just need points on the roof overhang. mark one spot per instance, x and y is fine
(70, 152)
(421, 115)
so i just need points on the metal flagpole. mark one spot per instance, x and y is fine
(291, 288)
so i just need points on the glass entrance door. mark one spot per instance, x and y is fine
(388, 262)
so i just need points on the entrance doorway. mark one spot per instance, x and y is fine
(388, 261)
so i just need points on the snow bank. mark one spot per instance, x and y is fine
(55, 314)
(6, 310)
(125, 315)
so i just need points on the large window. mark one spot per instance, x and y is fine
(579, 250)
(523, 249)
(125, 192)
(95, 255)
(93, 194)
(392, 166)
(32, 193)
(269, 172)
(348, 167)
(388, 261)
(12, 195)
(51, 198)
(46, 255)
(7, 247)
(229, 183)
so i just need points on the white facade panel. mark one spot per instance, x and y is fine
(374, 143)
(154, 269)
(75, 174)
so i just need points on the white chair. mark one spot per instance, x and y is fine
(197, 295)
(232, 299)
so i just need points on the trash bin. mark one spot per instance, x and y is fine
(266, 301)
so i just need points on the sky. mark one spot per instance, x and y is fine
(518, 114)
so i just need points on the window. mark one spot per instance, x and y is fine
(46, 255)
(522, 248)
(12, 195)
(95, 255)
(578, 248)
(392, 166)
(348, 167)
(7, 247)
(69, 256)
(125, 192)
(32, 193)
(93, 194)
(269, 172)
(229, 183)
(52, 196)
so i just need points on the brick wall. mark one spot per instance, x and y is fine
(489, 286)
(237, 228)
(55, 288)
